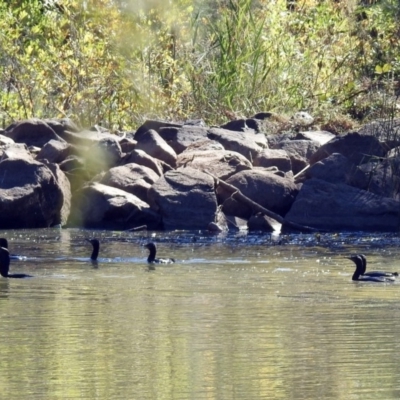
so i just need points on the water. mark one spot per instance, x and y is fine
(237, 317)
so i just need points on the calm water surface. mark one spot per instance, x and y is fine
(237, 317)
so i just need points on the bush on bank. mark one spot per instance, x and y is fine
(118, 62)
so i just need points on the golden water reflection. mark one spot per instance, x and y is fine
(246, 322)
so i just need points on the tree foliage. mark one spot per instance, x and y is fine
(118, 62)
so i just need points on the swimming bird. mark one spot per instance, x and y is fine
(374, 273)
(4, 243)
(5, 265)
(152, 256)
(96, 247)
(360, 269)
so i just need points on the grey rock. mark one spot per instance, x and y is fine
(244, 143)
(154, 125)
(141, 158)
(180, 138)
(32, 132)
(104, 154)
(100, 206)
(127, 145)
(335, 169)
(357, 148)
(55, 151)
(154, 145)
(30, 196)
(299, 151)
(15, 151)
(60, 125)
(336, 207)
(185, 198)
(132, 178)
(5, 140)
(273, 192)
(273, 158)
(221, 163)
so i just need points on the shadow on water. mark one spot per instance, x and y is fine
(236, 317)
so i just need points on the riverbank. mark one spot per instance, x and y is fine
(241, 175)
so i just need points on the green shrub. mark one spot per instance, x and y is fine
(117, 63)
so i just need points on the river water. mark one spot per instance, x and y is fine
(236, 317)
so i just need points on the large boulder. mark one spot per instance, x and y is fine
(357, 148)
(5, 140)
(335, 168)
(154, 125)
(61, 125)
(30, 196)
(185, 198)
(378, 176)
(271, 191)
(127, 145)
(103, 207)
(381, 178)
(104, 154)
(245, 143)
(32, 132)
(273, 158)
(221, 163)
(180, 138)
(56, 151)
(15, 151)
(132, 178)
(141, 158)
(336, 207)
(73, 163)
(299, 151)
(154, 145)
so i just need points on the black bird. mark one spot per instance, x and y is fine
(360, 270)
(152, 256)
(375, 273)
(96, 247)
(5, 265)
(4, 243)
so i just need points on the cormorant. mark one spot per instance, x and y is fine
(5, 265)
(360, 269)
(96, 247)
(152, 256)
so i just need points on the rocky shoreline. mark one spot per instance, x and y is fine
(191, 176)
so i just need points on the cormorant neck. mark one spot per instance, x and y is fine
(359, 268)
(96, 247)
(363, 269)
(356, 276)
(4, 262)
(4, 243)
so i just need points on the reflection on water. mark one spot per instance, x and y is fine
(235, 318)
